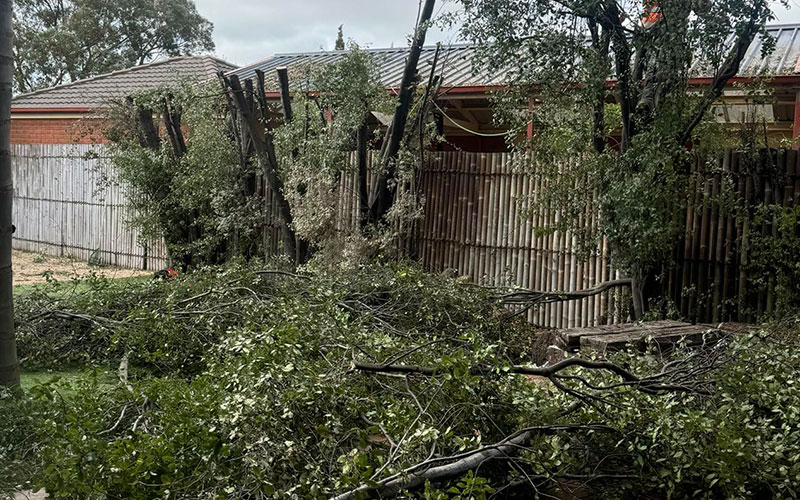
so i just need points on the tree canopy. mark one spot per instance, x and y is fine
(58, 41)
(339, 39)
(609, 82)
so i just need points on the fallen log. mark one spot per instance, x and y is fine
(457, 465)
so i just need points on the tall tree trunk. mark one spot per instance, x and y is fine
(637, 293)
(265, 152)
(301, 250)
(382, 193)
(9, 366)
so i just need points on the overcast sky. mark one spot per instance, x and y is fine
(246, 31)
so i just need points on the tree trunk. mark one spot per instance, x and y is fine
(382, 193)
(637, 293)
(9, 366)
(301, 251)
(265, 152)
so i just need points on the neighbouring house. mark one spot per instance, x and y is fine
(69, 113)
(465, 99)
(59, 208)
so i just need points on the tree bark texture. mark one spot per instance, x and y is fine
(9, 365)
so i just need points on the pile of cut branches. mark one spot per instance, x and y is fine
(383, 381)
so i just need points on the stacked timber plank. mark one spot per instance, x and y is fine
(642, 336)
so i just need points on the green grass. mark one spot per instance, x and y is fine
(29, 379)
(80, 286)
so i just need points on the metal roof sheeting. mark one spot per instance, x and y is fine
(459, 71)
(783, 60)
(457, 61)
(98, 91)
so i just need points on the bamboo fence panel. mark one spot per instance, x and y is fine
(480, 222)
(712, 279)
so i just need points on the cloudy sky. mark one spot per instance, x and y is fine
(246, 31)
(249, 30)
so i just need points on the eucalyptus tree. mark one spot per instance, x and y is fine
(608, 81)
(9, 367)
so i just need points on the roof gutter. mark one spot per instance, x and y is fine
(76, 109)
(63, 113)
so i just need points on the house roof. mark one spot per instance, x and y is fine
(459, 71)
(98, 91)
(457, 61)
(783, 60)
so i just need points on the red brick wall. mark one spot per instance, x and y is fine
(56, 131)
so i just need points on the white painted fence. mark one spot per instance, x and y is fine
(62, 208)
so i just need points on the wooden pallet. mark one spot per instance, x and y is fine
(658, 334)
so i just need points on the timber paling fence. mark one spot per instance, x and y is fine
(62, 207)
(473, 227)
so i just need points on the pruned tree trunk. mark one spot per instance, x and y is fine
(286, 101)
(363, 192)
(176, 234)
(301, 250)
(265, 152)
(382, 192)
(172, 123)
(9, 365)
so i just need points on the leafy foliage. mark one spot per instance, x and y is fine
(273, 409)
(66, 40)
(316, 148)
(208, 203)
(775, 254)
(616, 151)
(200, 202)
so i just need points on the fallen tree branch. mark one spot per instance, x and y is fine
(539, 297)
(532, 298)
(542, 371)
(457, 465)
(652, 384)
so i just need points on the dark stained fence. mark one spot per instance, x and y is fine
(713, 279)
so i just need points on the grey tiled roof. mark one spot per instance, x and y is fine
(98, 91)
(460, 72)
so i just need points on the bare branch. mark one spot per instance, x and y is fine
(456, 465)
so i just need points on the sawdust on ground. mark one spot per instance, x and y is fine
(30, 268)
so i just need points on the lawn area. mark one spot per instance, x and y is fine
(32, 378)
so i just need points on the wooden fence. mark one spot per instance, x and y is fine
(713, 279)
(61, 209)
(473, 226)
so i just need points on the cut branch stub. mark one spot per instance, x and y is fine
(286, 100)
(146, 131)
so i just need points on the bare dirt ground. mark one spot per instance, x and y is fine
(30, 268)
